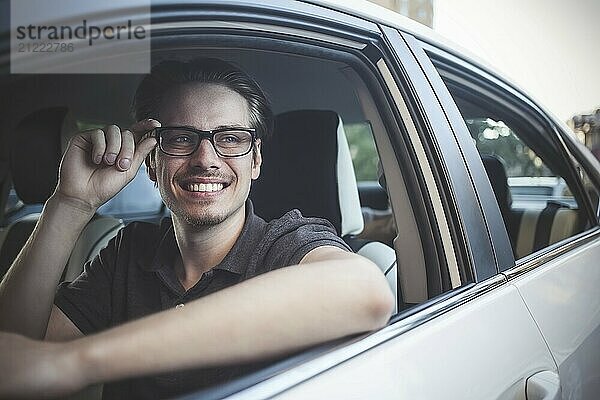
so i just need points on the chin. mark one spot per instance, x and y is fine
(200, 215)
(205, 220)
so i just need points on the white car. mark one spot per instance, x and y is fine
(493, 301)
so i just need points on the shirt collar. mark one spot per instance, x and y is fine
(234, 261)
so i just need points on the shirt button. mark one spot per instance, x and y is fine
(180, 305)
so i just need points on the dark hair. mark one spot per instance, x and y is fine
(167, 74)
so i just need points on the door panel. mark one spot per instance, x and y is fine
(563, 296)
(485, 349)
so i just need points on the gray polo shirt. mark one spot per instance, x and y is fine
(133, 277)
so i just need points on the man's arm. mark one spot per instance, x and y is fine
(27, 290)
(335, 294)
(331, 295)
(88, 178)
(60, 327)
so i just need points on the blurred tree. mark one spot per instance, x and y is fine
(495, 138)
(362, 150)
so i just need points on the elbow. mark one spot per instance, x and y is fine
(379, 301)
(381, 308)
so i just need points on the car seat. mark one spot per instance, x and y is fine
(496, 172)
(529, 230)
(307, 165)
(35, 154)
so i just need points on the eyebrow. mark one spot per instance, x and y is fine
(216, 128)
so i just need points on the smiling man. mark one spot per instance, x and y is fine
(198, 299)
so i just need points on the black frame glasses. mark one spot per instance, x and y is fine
(159, 134)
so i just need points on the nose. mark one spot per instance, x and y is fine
(205, 156)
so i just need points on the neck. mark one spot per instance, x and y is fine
(202, 248)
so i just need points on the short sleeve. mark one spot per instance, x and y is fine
(87, 300)
(293, 236)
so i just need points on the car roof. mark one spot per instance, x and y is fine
(363, 9)
(378, 14)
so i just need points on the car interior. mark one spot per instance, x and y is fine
(52, 116)
(34, 172)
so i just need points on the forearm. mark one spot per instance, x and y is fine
(269, 315)
(27, 291)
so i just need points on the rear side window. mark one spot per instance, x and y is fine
(531, 177)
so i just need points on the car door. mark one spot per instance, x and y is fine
(558, 277)
(473, 341)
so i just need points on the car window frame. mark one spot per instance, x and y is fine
(368, 50)
(471, 229)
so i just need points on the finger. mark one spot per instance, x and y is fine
(142, 149)
(143, 126)
(127, 149)
(112, 133)
(98, 145)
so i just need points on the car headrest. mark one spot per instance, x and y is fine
(35, 153)
(496, 172)
(307, 165)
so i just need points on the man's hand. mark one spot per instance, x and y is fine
(100, 162)
(34, 369)
(95, 167)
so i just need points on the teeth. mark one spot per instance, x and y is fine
(205, 187)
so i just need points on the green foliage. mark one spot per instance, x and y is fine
(362, 150)
(85, 125)
(495, 138)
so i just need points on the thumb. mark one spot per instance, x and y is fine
(142, 149)
(140, 128)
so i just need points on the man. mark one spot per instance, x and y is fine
(174, 283)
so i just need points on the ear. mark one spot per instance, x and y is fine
(256, 160)
(150, 162)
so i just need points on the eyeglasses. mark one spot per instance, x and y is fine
(183, 141)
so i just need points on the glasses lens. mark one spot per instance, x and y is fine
(178, 142)
(233, 142)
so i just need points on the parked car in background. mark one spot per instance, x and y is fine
(536, 192)
(495, 270)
